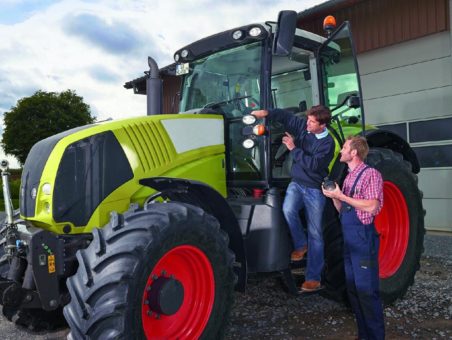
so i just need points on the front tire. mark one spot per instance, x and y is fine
(162, 272)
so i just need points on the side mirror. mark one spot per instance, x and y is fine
(302, 106)
(353, 102)
(285, 33)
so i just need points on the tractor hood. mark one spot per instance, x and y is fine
(72, 181)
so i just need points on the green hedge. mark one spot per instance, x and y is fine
(14, 188)
(15, 174)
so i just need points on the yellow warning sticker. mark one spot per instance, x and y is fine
(51, 263)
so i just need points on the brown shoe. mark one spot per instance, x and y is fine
(310, 286)
(298, 255)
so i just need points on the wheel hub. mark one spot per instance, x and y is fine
(179, 295)
(166, 295)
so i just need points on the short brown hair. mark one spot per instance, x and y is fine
(359, 143)
(321, 113)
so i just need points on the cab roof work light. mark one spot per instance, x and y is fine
(329, 24)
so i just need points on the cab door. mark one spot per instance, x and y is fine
(339, 82)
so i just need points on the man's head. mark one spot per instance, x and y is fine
(355, 149)
(318, 117)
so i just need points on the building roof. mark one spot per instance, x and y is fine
(326, 7)
(377, 24)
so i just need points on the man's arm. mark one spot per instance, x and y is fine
(293, 124)
(317, 161)
(370, 205)
(260, 113)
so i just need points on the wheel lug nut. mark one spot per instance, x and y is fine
(163, 272)
(146, 302)
(154, 277)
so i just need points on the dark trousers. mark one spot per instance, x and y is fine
(361, 243)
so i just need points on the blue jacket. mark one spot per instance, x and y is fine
(311, 156)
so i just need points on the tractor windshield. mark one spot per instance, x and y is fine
(229, 83)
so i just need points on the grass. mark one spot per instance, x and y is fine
(15, 204)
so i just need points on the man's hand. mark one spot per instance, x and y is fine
(336, 193)
(260, 113)
(288, 141)
(368, 205)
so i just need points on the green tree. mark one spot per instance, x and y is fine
(39, 116)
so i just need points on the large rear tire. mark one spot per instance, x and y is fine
(162, 272)
(400, 224)
(401, 228)
(334, 274)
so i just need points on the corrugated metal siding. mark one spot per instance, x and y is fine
(382, 23)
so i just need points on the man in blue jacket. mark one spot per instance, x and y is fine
(312, 149)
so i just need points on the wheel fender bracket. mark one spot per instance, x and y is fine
(207, 198)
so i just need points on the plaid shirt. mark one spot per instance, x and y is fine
(369, 187)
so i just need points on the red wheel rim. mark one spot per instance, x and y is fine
(393, 225)
(191, 267)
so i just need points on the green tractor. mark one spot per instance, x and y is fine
(143, 227)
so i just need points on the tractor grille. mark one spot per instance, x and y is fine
(33, 167)
(148, 140)
(89, 171)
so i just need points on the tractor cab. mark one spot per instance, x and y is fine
(273, 65)
(268, 66)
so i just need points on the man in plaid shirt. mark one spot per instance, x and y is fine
(360, 200)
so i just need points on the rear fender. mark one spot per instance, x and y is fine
(379, 139)
(387, 139)
(207, 198)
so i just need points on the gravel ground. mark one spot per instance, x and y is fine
(424, 313)
(265, 310)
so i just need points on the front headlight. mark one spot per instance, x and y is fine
(33, 193)
(46, 189)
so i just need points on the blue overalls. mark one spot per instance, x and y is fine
(361, 243)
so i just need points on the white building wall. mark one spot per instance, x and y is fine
(409, 82)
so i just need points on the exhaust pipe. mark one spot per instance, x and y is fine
(154, 89)
(9, 210)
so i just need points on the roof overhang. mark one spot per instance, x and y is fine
(326, 8)
(139, 84)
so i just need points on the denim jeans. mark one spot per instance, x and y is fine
(312, 201)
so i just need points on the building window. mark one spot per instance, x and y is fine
(431, 130)
(398, 129)
(434, 156)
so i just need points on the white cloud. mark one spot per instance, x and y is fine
(42, 53)
(13, 163)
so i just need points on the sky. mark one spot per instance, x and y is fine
(94, 46)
